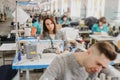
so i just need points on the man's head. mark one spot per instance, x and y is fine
(99, 56)
(103, 20)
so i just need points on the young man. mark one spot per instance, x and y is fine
(81, 65)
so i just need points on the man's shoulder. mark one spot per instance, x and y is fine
(65, 56)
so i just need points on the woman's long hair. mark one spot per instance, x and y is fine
(45, 30)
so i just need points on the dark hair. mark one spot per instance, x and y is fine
(34, 20)
(30, 16)
(107, 49)
(63, 17)
(45, 30)
(102, 19)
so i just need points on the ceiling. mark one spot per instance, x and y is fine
(12, 3)
(34, 0)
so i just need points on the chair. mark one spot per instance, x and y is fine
(7, 73)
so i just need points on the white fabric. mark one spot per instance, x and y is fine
(27, 31)
(111, 71)
(22, 16)
(70, 33)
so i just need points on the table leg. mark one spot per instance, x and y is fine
(27, 75)
(90, 40)
(3, 58)
(18, 74)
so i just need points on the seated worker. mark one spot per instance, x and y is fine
(64, 21)
(37, 28)
(49, 30)
(100, 26)
(81, 65)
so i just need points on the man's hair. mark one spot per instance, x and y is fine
(106, 48)
(102, 19)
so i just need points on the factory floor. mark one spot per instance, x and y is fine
(5, 28)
